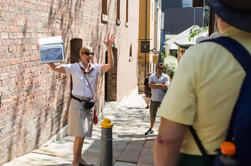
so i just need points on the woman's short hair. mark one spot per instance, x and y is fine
(85, 49)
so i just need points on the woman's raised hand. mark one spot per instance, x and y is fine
(109, 41)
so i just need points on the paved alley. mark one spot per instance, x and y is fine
(130, 146)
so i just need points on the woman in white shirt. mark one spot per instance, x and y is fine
(84, 77)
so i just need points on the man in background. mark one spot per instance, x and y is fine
(159, 83)
(147, 91)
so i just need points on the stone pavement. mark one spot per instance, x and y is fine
(130, 146)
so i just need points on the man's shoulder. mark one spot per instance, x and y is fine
(165, 75)
(204, 51)
(152, 75)
(204, 47)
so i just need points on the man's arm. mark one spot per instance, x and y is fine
(158, 86)
(57, 68)
(168, 142)
(106, 67)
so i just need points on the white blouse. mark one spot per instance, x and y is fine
(80, 84)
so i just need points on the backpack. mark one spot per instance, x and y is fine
(239, 130)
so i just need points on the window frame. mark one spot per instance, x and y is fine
(104, 14)
(127, 13)
(118, 13)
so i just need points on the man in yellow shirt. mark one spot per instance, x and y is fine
(204, 91)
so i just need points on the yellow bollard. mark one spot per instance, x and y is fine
(106, 143)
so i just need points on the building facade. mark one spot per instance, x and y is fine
(33, 99)
(175, 22)
(149, 38)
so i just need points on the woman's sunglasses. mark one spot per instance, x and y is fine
(87, 53)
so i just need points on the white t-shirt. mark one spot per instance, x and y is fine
(158, 94)
(80, 84)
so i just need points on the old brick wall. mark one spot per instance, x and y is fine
(33, 98)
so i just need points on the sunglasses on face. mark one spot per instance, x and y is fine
(87, 53)
(160, 68)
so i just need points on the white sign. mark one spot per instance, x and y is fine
(51, 49)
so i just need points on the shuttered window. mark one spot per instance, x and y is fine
(104, 15)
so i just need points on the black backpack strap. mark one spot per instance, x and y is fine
(200, 146)
(243, 57)
(198, 142)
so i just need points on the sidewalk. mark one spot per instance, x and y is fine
(130, 146)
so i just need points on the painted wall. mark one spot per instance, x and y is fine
(145, 60)
(144, 23)
(128, 37)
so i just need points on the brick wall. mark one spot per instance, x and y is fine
(34, 99)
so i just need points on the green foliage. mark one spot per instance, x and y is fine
(196, 32)
(162, 57)
(170, 63)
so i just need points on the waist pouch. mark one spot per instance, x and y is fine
(88, 104)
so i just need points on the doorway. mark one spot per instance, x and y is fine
(111, 78)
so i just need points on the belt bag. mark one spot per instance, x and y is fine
(88, 104)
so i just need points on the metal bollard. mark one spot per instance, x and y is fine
(106, 143)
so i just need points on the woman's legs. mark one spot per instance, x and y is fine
(77, 149)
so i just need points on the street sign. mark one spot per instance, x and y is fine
(145, 46)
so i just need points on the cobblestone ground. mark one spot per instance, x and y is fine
(130, 146)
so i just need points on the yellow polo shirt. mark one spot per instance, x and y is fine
(204, 90)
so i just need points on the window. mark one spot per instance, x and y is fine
(104, 15)
(126, 24)
(76, 45)
(118, 12)
(197, 3)
(130, 53)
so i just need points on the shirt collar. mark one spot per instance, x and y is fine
(84, 69)
(235, 32)
(160, 75)
(81, 64)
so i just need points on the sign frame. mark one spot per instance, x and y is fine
(145, 46)
(51, 50)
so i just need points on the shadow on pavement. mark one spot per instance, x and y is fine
(135, 108)
(139, 136)
(60, 165)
